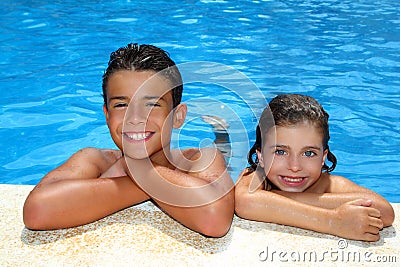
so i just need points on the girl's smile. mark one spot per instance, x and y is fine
(293, 181)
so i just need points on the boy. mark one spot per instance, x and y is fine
(94, 183)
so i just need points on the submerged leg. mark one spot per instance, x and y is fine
(222, 140)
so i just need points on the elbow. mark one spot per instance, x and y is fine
(388, 216)
(30, 218)
(34, 216)
(216, 225)
(218, 219)
(240, 210)
(242, 204)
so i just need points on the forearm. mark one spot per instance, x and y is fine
(69, 203)
(353, 220)
(270, 207)
(334, 200)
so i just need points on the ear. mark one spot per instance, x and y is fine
(324, 156)
(179, 115)
(105, 112)
(260, 158)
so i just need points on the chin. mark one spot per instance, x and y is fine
(136, 156)
(294, 190)
(291, 189)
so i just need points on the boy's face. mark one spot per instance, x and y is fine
(296, 156)
(144, 129)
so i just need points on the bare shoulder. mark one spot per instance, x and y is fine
(210, 156)
(91, 154)
(250, 181)
(190, 153)
(204, 162)
(244, 177)
(110, 155)
(100, 151)
(196, 155)
(340, 184)
(86, 163)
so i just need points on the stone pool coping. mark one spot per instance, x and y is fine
(144, 236)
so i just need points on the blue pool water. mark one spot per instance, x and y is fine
(344, 53)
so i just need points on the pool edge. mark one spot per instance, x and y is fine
(144, 235)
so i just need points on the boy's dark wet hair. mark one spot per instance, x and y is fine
(144, 57)
(289, 110)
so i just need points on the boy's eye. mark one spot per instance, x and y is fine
(120, 105)
(153, 104)
(309, 153)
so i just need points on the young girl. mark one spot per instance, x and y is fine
(288, 181)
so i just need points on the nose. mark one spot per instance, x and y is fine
(135, 114)
(294, 163)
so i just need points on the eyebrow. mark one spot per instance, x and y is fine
(277, 145)
(117, 98)
(149, 97)
(156, 98)
(145, 98)
(287, 147)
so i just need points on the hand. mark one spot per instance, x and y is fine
(357, 220)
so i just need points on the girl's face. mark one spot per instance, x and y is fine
(294, 159)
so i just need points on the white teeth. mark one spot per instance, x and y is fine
(292, 180)
(138, 136)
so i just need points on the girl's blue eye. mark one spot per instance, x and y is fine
(309, 153)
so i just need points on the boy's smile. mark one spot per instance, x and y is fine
(137, 136)
(296, 158)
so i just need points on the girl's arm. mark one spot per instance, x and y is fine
(72, 194)
(268, 206)
(332, 191)
(202, 200)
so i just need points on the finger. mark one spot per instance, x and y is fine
(372, 230)
(375, 222)
(371, 237)
(374, 213)
(361, 202)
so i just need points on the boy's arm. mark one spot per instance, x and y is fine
(268, 206)
(72, 194)
(212, 218)
(338, 191)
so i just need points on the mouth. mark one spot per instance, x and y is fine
(137, 136)
(293, 181)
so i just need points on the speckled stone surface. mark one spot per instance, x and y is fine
(145, 236)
